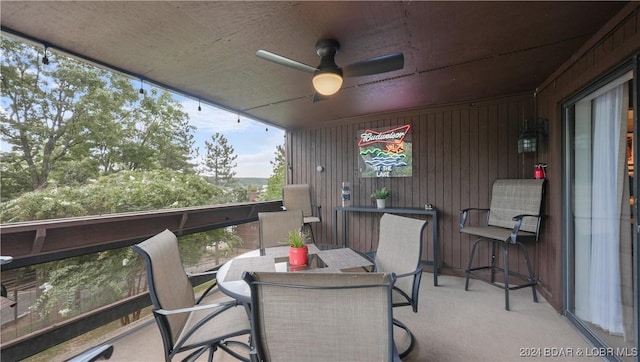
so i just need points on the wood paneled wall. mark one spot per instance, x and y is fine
(458, 151)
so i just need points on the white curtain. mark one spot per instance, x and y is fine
(609, 173)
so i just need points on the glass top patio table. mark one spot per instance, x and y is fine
(275, 259)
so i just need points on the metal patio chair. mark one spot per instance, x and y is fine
(513, 217)
(276, 225)
(184, 324)
(399, 252)
(298, 197)
(321, 316)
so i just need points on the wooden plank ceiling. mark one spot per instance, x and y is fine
(454, 51)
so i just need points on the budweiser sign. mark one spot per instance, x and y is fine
(395, 135)
(385, 152)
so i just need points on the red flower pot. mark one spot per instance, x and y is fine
(298, 256)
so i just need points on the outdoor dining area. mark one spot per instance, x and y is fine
(293, 298)
(330, 293)
(450, 325)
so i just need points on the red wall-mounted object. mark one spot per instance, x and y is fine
(539, 171)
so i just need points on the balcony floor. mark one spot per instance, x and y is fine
(451, 325)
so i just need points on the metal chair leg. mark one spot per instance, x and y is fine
(313, 238)
(493, 261)
(494, 267)
(532, 278)
(468, 270)
(225, 346)
(399, 324)
(505, 255)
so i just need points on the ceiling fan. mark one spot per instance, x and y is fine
(327, 77)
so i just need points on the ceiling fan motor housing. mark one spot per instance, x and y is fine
(327, 46)
(327, 49)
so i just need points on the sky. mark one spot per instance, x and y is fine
(253, 144)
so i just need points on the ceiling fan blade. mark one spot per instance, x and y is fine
(382, 64)
(279, 59)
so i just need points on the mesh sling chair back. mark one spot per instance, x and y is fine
(513, 217)
(399, 252)
(184, 324)
(321, 316)
(275, 226)
(298, 197)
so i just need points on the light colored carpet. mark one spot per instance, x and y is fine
(457, 325)
(451, 325)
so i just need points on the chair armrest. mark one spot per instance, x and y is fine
(516, 227)
(94, 354)
(464, 214)
(168, 312)
(415, 289)
(211, 272)
(522, 216)
(419, 269)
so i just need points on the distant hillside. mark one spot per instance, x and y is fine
(246, 181)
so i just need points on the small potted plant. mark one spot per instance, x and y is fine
(381, 195)
(298, 251)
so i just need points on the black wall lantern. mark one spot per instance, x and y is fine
(528, 139)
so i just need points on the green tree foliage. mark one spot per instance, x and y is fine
(277, 178)
(44, 119)
(58, 114)
(124, 191)
(13, 178)
(83, 283)
(157, 134)
(220, 161)
(79, 284)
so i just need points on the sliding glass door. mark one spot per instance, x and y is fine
(599, 217)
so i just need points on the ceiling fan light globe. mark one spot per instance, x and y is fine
(327, 83)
